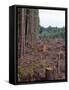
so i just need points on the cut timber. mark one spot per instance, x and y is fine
(49, 73)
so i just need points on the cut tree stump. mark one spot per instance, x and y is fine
(49, 73)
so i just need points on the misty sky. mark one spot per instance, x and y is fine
(52, 18)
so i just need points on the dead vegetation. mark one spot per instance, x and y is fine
(46, 61)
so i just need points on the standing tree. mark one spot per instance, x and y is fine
(28, 28)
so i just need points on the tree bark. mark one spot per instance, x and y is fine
(49, 74)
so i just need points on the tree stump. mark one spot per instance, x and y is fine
(49, 73)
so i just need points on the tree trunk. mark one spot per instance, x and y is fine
(49, 74)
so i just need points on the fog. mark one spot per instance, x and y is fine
(52, 18)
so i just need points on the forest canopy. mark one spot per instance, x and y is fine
(51, 32)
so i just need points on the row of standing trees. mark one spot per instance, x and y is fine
(28, 26)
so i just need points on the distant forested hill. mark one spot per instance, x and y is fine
(52, 32)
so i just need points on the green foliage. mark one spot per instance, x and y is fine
(52, 32)
(25, 72)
